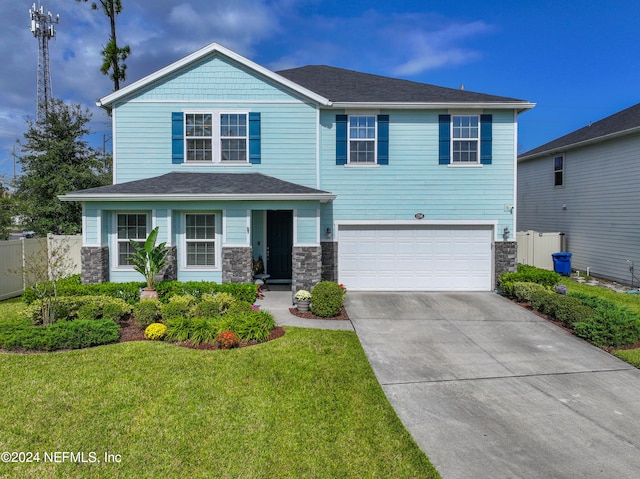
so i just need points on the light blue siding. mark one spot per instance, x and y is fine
(91, 222)
(237, 229)
(307, 229)
(413, 181)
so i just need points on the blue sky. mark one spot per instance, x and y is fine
(577, 60)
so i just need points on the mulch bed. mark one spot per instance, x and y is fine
(342, 314)
(129, 331)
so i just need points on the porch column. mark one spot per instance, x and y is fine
(306, 267)
(237, 264)
(94, 264)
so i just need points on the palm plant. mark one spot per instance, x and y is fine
(149, 258)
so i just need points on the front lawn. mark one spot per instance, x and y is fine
(305, 405)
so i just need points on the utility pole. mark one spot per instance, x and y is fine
(43, 29)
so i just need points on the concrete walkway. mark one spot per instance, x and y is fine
(278, 301)
(490, 390)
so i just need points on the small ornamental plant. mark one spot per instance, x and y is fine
(561, 289)
(343, 288)
(155, 332)
(227, 340)
(303, 295)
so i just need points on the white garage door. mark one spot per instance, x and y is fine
(415, 258)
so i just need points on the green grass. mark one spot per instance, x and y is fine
(630, 301)
(305, 405)
(632, 356)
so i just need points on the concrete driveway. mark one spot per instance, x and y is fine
(490, 390)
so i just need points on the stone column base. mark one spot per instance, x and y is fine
(237, 264)
(306, 266)
(94, 264)
(506, 258)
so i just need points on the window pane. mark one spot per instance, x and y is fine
(198, 124)
(201, 254)
(557, 163)
(132, 226)
(233, 125)
(465, 127)
(362, 127)
(199, 150)
(362, 152)
(465, 151)
(200, 227)
(234, 150)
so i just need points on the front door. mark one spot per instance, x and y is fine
(279, 244)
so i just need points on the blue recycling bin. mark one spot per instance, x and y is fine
(562, 263)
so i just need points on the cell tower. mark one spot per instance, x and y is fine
(43, 28)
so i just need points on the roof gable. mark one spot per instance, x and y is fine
(618, 124)
(330, 86)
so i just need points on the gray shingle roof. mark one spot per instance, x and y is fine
(340, 85)
(622, 121)
(202, 184)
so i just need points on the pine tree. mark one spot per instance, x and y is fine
(56, 161)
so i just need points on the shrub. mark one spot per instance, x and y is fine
(326, 299)
(570, 311)
(72, 286)
(203, 330)
(544, 301)
(178, 306)
(93, 307)
(147, 312)
(227, 340)
(241, 292)
(531, 274)
(155, 331)
(240, 307)
(62, 335)
(178, 329)
(522, 291)
(253, 326)
(206, 308)
(507, 288)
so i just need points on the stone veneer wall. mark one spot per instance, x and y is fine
(329, 260)
(94, 264)
(506, 258)
(306, 267)
(237, 264)
(170, 271)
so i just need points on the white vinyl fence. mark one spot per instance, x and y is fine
(14, 254)
(535, 248)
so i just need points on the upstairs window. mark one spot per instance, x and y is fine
(199, 134)
(216, 137)
(465, 139)
(558, 171)
(362, 139)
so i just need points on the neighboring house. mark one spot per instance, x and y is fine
(375, 182)
(587, 184)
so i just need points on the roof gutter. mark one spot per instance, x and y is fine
(122, 197)
(519, 106)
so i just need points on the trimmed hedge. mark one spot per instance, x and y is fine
(530, 274)
(130, 292)
(63, 335)
(82, 307)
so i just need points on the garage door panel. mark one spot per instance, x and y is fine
(405, 258)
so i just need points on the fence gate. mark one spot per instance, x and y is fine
(535, 249)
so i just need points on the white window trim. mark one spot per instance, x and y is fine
(216, 137)
(182, 241)
(374, 140)
(116, 242)
(562, 155)
(466, 164)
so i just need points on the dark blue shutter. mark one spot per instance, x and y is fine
(383, 139)
(444, 139)
(341, 139)
(254, 138)
(177, 137)
(486, 138)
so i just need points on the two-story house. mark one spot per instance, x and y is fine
(326, 173)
